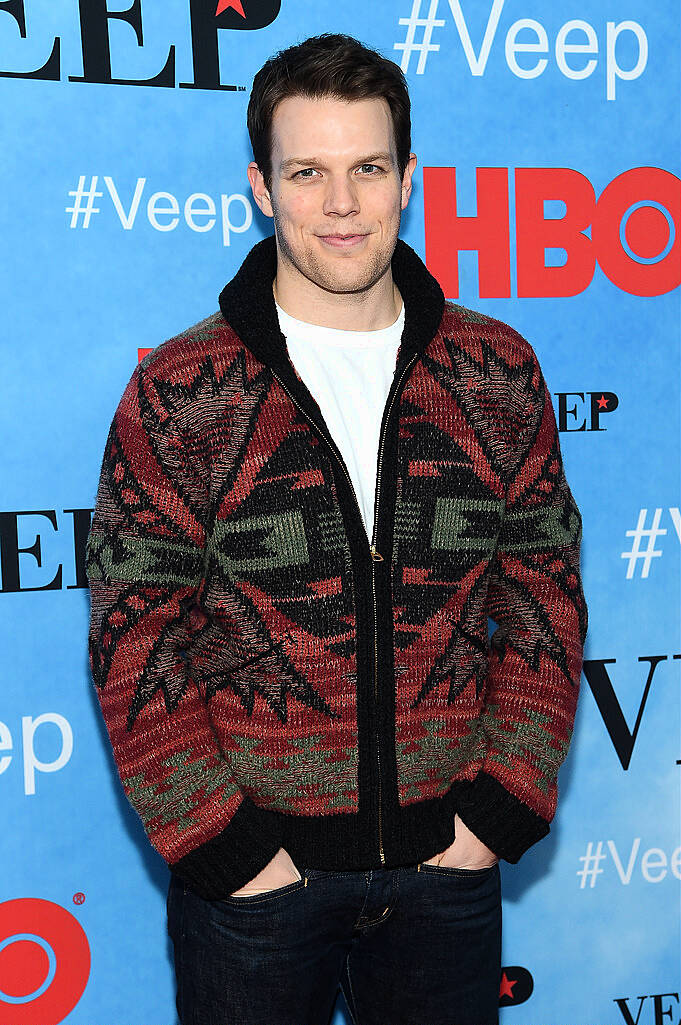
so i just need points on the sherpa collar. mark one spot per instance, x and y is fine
(247, 303)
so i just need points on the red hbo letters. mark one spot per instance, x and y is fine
(634, 231)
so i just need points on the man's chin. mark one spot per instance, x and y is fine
(348, 276)
(342, 273)
(338, 287)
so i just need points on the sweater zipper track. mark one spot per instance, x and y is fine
(375, 556)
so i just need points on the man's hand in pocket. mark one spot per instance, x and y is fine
(278, 872)
(466, 851)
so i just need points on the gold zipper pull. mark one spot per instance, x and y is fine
(374, 554)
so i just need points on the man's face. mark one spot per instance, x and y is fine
(336, 194)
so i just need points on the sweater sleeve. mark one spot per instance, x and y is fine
(536, 600)
(145, 568)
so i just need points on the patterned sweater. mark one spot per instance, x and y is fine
(271, 676)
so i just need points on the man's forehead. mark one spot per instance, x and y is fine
(304, 125)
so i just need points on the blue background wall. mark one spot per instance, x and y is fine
(591, 914)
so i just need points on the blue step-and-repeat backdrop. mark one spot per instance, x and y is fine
(547, 195)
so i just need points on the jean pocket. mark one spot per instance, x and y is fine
(261, 896)
(449, 870)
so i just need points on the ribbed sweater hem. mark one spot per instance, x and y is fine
(343, 842)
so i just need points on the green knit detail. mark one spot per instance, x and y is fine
(466, 524)
(276, 540)
(175, 797)
(407, 517)
(530, 741)
(502, 741)
(331, 529)
(416, 757)
(153, 561)
(541, 528)
(307, 764)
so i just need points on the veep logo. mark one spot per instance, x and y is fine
(206, 17)
(576, 45)
(597, 676)
(59, 744)
(573, 416)
(44, 962)
(663, 1007)
(634, 231)
(20, 526)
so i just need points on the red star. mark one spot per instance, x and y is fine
(223, 5)
(506, 988)
(602, 402)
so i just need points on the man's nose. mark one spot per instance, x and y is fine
(341, 197)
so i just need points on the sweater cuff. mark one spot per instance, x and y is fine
(504, 824)
(233, 857)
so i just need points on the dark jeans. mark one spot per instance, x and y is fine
(416, 945)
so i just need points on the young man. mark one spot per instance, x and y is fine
(310, 502)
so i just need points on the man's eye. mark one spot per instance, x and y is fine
(310, 172)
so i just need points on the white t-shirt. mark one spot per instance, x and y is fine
(349, 373)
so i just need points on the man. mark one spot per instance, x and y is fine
(310, 502)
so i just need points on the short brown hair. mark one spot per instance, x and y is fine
(331, 64)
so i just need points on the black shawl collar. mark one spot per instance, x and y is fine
(247, 304)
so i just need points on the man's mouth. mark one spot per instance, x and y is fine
(342, 241)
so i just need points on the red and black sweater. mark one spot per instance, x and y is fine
(271, 676)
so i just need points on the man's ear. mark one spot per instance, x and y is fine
(260, 192)
(406, 179)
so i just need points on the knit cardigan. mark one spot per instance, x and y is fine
(271, 676)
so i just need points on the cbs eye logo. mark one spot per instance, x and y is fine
(44, 962)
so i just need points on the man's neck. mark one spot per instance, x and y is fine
(369, 310)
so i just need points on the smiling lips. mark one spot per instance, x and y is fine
(341, 241)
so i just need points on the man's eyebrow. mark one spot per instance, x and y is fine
(286, 165)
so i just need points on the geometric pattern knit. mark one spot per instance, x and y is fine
(269, 674)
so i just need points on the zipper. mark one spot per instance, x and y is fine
(375, 555)
(332, 446)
